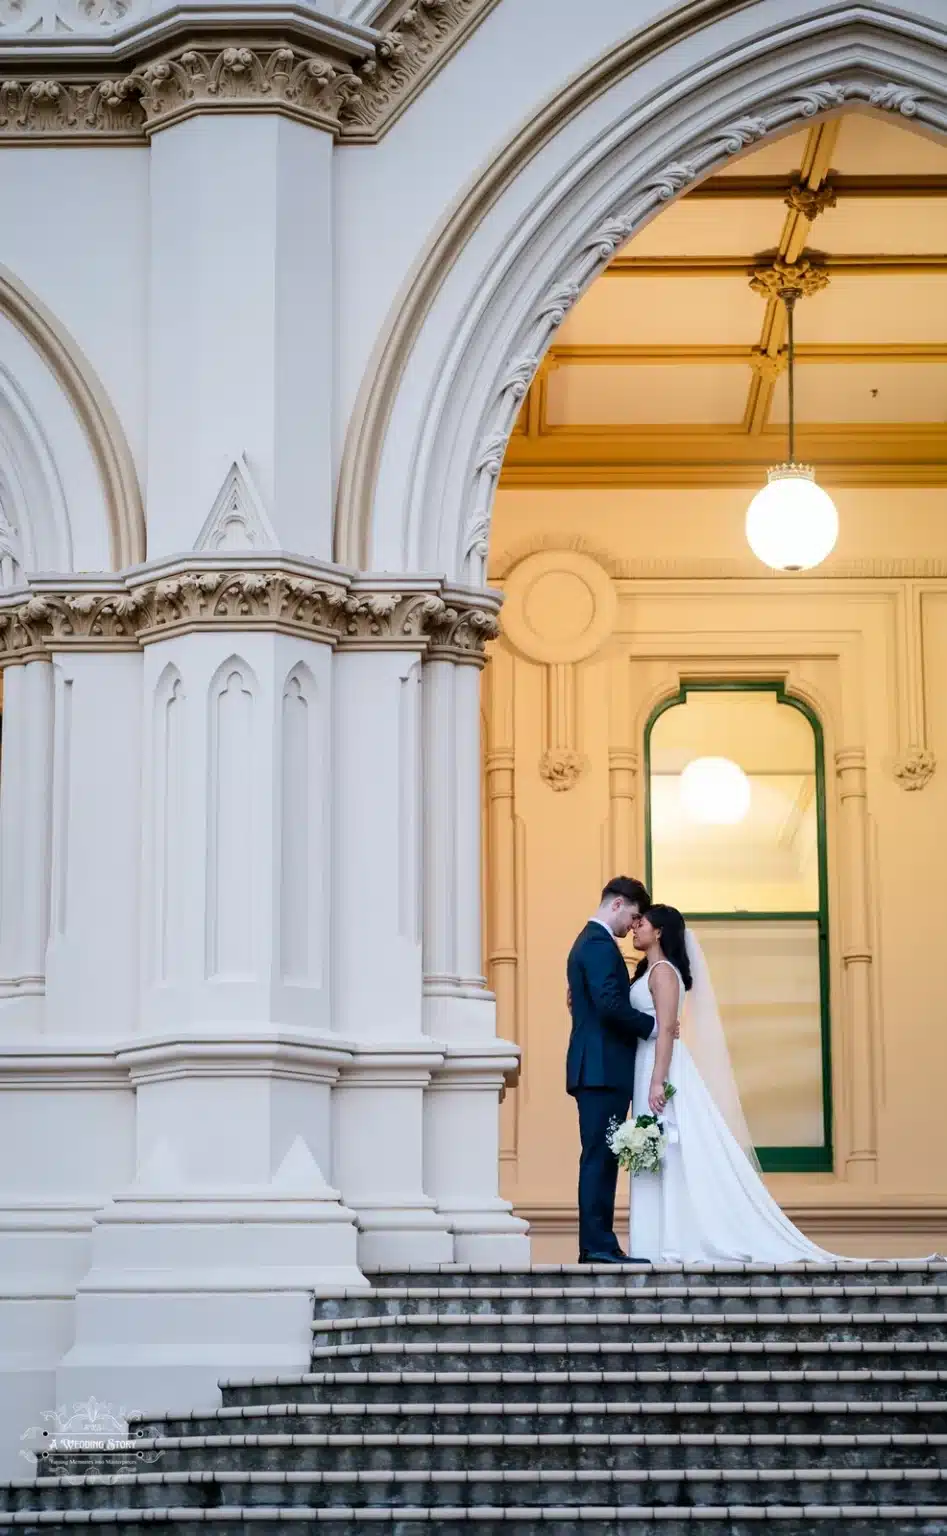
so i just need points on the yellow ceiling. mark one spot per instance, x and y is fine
(670, 369)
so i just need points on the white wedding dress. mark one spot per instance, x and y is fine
(707, 1203)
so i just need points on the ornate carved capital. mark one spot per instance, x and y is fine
(298, 598)
(462, 631)
(274, 600)
(351, 81)
(298, 81)
(47, 621)
(779, 276)
(389, 618)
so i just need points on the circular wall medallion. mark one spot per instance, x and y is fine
(560, 606)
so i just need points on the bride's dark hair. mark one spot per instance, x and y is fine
(672, 927)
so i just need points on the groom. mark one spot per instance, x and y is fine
(600, 1065)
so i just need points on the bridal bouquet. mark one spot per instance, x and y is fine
(640, 1145)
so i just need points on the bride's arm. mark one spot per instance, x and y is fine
(666, 991)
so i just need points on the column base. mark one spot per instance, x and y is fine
(185, 1289)
(379, 1154)
(487, 1232)
(861, 1168)
(44, 1249)
(391, 1236)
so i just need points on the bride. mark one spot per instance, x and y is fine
(708, 1201)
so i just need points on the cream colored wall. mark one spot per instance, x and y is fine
(592, 640)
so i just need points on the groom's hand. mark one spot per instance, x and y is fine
(677, 1030)
(569, 998)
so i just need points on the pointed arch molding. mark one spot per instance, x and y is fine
(89, 400)
(431, 424)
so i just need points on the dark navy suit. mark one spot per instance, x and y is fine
(600, 1073)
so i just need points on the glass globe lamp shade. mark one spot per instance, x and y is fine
(715, 792)
(791, 524)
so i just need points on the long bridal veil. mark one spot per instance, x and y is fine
(703, 1034)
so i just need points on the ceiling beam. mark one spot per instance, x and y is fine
(864, 264)
(765, 188)
(620, 355)
(817, 155)
(857, 455)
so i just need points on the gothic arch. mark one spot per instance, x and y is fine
(118, 491)
(429, 432)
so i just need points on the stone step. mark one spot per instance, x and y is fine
(456, 1356)
(499, 1487)
(883, 1272)
(566, 1414)
(415, 1301)
(442, 1451)
(692, 1386)
(557, 1328)
(538, 1520)
(667, 1355)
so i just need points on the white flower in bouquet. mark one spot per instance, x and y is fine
(639, 1145)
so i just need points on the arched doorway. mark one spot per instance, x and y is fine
(632, 600)
(465, 341)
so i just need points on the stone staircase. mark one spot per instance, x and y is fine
(564, 1399)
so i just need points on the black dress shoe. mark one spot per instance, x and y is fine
(606, 1258)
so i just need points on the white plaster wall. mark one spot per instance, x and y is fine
(391, 196)
(75, 230)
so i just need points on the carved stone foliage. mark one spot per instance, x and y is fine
(79, 620)
(324, 606)
(343, 83)
(915, 768)
(420, 35)
(810, 201)
(57, 109)
(561, 768)
(779, 276)
(299, 81)
(238, 599)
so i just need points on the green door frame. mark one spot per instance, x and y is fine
(774, 1159)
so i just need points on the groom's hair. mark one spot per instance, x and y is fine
(629, 890)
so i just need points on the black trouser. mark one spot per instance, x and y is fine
(598, 1169)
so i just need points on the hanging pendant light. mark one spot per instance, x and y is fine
(791, 524)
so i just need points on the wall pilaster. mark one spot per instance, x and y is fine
(25, 830)
(461, 1125)
(862, 1158)
(377, 919)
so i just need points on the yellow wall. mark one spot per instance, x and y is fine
(613, 598)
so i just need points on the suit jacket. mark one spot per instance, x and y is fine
(605, 1027)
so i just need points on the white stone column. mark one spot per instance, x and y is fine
(377, 977)
(461, 1124)
(205, 1263)
(25, 832)
(65, 1115)
(92, 958)
(241, 333)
